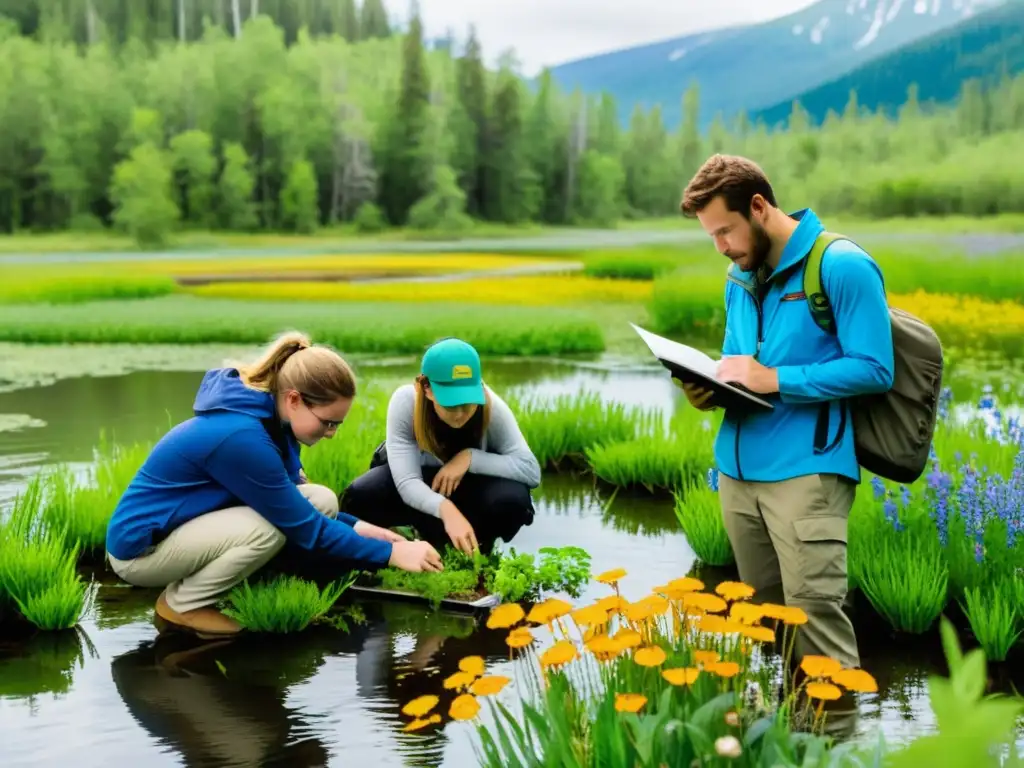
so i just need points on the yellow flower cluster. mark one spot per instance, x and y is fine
(966, 320)
(678, 628)
(544, 290)
(342, 264)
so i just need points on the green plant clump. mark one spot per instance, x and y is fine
(512, 577)
(284, 604)
(38, 578)
(699, 513)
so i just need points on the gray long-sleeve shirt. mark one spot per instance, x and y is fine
(503, 451)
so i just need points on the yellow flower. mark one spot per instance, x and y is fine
(823, 691)
(459, 680)
(590, 615)
(604, 648)
(649, 656)
(474, 665)
(465, 707)
(704, 601)
(519, 638)
(687, 584)
(638, 612)
(681, 675)
(773, 611)
(761, 634)
(612, 603)
(705, 657)
(627, 638)
(855, 680)
(629, 702)
(718, 625)
(611, 577)
(558, 654)
(820, 666)
(504, 616)
(657, 602)
(734, 590)
(724, 668)
(419, 706)
(548, 610)
(794, 617)
(489, 685)
(417, 724)
(746, 613)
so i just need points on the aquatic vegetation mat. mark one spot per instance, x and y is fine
(513, 576)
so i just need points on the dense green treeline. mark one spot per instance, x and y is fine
(250, 132)
(119, 21)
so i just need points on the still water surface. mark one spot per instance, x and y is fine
(114, 695)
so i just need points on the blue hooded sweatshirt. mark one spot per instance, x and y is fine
(233, 452)
(816, 370)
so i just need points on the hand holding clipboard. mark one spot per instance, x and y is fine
(691, 366)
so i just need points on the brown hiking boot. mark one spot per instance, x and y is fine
(207, 623)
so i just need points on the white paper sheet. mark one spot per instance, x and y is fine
(688, 357)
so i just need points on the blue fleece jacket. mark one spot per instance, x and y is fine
(224, 456)
(816, 370)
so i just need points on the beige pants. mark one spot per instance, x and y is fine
(208, 555)
(790, 537)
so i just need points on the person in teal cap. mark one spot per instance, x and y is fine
(454, 464)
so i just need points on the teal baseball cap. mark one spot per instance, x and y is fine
(453, 369)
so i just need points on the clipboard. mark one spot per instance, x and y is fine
(691, 366)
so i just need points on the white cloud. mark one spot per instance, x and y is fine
(548, 32)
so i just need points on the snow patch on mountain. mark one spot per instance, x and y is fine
(818, 30)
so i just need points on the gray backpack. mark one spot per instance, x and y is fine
(893, 430)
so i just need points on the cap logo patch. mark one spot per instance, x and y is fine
(462, 372)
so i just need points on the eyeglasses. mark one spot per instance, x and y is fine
(325, 423)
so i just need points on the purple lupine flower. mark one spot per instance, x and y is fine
(878, 486)
(939, 485)
(904, 496)
(892, 514)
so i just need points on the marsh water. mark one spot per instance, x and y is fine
(113, 693)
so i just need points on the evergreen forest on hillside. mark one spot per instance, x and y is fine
(261, 131)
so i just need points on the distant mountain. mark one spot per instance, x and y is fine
(983, 46)
(757, 66)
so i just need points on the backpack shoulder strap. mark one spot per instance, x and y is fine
(814, 287)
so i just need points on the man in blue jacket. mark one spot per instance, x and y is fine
(788, 475)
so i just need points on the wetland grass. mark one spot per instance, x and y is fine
(39, 581)
(995, 615)
(283, 604)
(699, 512)
(381, 328)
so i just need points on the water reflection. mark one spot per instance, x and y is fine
(43, 664)
(230, 703)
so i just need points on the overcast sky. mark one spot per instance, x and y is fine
(547, 32)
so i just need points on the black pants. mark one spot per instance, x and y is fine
(495, 506)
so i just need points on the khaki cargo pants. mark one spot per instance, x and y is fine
(789, 537)
(208, 555)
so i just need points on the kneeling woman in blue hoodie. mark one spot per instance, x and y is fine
(222, 492)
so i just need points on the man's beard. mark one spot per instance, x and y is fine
(760, 248)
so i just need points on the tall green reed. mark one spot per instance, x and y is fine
(995, 615)
(38, 576)
(699, 512)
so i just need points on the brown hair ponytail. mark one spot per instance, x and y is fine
(318, 373)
